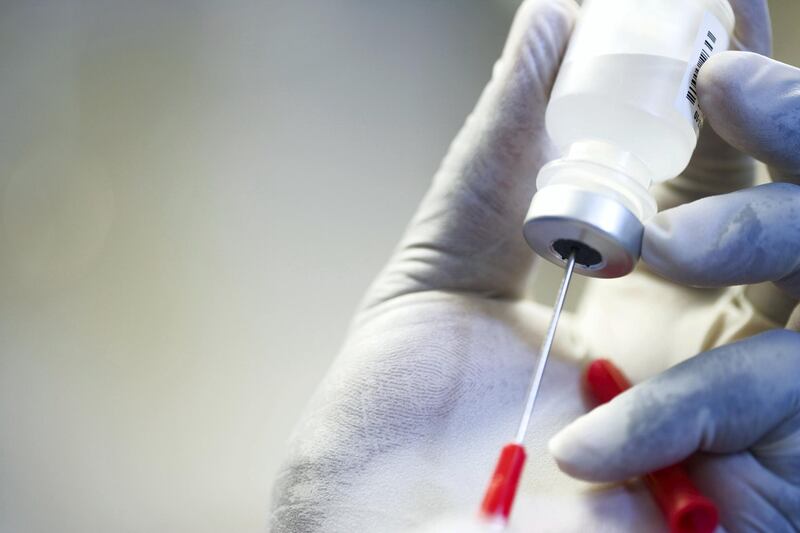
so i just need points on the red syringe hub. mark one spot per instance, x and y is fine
(503, 486)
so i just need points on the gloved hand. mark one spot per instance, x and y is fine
(407, 423)
(432, 377)
(737, 405)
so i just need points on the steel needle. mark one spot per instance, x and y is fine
(499, 496)
(544, 353)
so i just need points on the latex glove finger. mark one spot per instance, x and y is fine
(753, 31)
(740, 396)
(752, 498)
(716, 167)
(466, 234)
(753, 103)
(740, 238)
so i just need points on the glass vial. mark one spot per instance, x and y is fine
(624, 114)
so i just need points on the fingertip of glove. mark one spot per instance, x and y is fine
(586, 448)
(568, 453)
(745, 96)
(721, 79)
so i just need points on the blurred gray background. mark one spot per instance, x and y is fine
(193, 197)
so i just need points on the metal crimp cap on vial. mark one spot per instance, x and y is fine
(605, 235)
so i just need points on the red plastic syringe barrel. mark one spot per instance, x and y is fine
(683, 505)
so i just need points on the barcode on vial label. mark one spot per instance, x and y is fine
(705, 53)
(711, 38)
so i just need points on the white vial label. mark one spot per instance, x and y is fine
(711, 38)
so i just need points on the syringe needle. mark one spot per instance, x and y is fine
(499, 496)
(544, 353)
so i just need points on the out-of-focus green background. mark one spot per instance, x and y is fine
(193, 196)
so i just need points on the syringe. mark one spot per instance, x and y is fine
(685, 508)
(502, 488)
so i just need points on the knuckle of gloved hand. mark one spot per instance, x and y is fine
(554, 11)
(542, 27)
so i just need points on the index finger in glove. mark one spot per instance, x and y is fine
(753, 31)
(753, 103)
(723, 401)
(466, 235)
(744, 237)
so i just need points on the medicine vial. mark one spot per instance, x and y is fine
(624, 115)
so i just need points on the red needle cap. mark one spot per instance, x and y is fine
(685, 508)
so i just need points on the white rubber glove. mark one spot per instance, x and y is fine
(739, 404)
(430, 383)
(431, 380)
